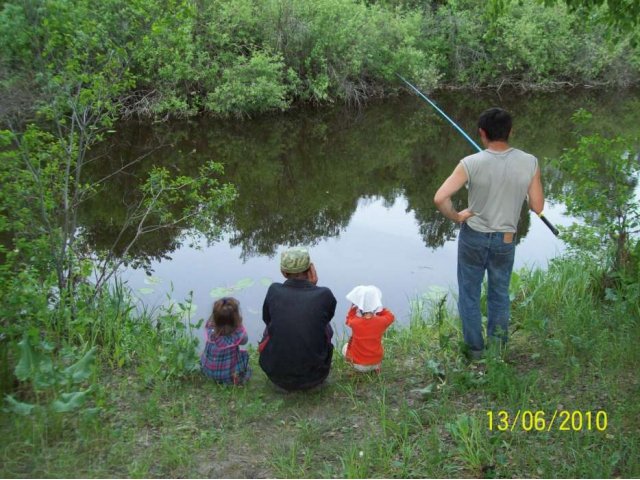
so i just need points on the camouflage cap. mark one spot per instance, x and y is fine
(295, 260)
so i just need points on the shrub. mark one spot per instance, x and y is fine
(255, 84)
(602, 175)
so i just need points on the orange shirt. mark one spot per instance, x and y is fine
(365, 344)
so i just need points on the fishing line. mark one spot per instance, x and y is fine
(468, 138)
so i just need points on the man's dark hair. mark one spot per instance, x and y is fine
(496, 123)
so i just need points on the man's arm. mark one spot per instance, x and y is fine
(535, 193)
(451, 185)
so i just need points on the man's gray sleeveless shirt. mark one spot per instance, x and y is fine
(498, 184)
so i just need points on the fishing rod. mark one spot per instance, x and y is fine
(553, 229)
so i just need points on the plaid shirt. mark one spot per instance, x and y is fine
(222, 359)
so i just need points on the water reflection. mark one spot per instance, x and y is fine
(301, 178)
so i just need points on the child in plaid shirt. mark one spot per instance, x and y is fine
(222, 360)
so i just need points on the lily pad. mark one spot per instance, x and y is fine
(146, 290)
(151, 280)
(219, 292)
(244, 283)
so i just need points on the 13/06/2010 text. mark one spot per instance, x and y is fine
(540, 421)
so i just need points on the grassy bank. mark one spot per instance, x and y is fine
(572, 348)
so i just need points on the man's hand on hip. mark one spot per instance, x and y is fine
(464, 215)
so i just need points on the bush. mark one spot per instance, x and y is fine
(255, 84)
(167, 61)
(347, 49)
(184, 56)
(527, 44)
(602, 175)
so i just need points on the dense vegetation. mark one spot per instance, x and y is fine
(93, 387)
(240, 57)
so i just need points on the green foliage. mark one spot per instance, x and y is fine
(624, 14)
(167, 61)
(538, 50)
(472, 445)
(602, 178)
(255, 84)
(43, 197)
(197, 199)
(171, 351)
(14, 36)
(65, 55)
(345, 50)
(242, 57)
(527, 44)
(49, 383)
(80, 74)
(34, 198)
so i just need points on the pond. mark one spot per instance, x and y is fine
(355, 185)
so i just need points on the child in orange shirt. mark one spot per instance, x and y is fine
(368, 320)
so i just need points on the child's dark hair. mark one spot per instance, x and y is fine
(496, 123)
(225, 317)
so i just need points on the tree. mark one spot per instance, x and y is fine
(603, 176)
(82, 76)
(625, 13)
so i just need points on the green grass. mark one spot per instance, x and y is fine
(425, 415)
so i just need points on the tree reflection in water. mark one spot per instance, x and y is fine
(301, 175)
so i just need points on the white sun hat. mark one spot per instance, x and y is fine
(367, 298)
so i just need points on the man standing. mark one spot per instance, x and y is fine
(499, 178)
(296, 350)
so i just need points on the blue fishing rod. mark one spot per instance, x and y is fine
(467, 137)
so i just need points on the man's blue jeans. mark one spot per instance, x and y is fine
(479, 252)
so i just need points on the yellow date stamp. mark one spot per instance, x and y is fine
(541, 421)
